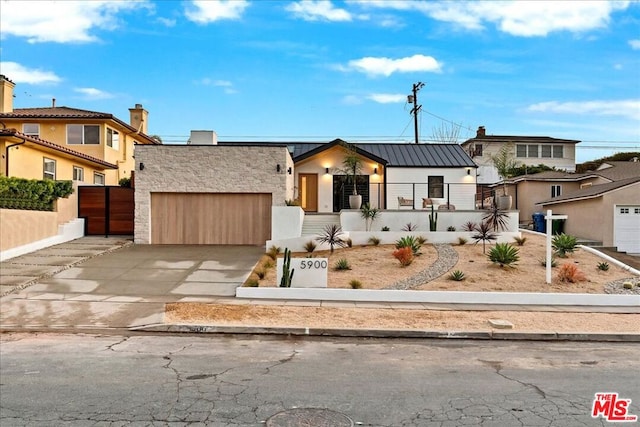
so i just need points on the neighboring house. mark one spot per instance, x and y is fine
(529, 190)
(68, 143)
(394, 176)
(528, 150)
(607, 213)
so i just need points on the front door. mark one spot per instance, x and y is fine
(308, 191)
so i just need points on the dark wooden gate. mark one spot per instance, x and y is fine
(106, 210)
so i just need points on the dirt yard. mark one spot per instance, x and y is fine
(376, 268)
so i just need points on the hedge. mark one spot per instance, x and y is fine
(33, 194)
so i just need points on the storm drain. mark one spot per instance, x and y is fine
(309, 417)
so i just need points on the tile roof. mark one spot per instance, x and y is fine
(593, 191)
(69, 113)
(14, 133)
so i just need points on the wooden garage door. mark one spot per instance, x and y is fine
(210, 219)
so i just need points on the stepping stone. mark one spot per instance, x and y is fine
(500, 324)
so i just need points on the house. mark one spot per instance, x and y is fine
(394, 176)
(66, 143)
(607, 213)
(529, 190)
(528, 150)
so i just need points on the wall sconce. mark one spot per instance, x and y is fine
(141, 166)
(375, 171)
(289, 171)
(278, 167)
(326, 170)
(468, 171)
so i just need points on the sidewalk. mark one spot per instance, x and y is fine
(80, 286)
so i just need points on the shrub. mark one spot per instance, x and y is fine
(462, 241)
(268, 264)
(385, 228)
(125, 182)
(292, 202)
(451, 228)
(349, 242)
(469, 226)
(355, 284)
(457, 275)
(570, 273)
(273, 252)
(554, 262)
(421, 240)
(410, 227)
(409, 242)
(520, 240)
(332, 235)
(251, 283)
(504, 254)
(310, 246)
(483, 233)
(404, 255)
(20, 193)
(261, 273)
(342, 264)
(563, 244)
(375, 241)
(496, 218)
(603, 266)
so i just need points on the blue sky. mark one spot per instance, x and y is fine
(319, 70)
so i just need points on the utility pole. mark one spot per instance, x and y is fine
(413, 99)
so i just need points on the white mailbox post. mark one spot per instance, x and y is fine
(549, 217)
(309, 272)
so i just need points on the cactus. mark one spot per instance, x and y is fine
(287, 275)
(433, 220)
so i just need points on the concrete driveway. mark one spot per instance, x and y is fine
(127, 287)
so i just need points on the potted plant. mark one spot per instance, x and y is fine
(352, 167)
(505, 163)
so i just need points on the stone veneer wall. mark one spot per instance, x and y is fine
(208, 169)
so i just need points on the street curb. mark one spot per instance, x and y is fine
(394, 333)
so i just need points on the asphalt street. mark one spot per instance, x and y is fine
(177, 380)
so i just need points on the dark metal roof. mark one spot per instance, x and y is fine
(389, 154)
(48, 144)
(520, 139)
(593, 191)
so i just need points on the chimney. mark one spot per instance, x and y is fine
(203, 137)
(138, 118)
(53, 103)
(6, 94)
(481, 133)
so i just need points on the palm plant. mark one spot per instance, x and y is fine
(483, 233)
(505, 164)
(497, 218)
(351, 165)
(332, 235)
(369, 214)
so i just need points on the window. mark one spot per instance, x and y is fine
(521, 150)
(436, 186)
(558, 152)
(477, 152)
(636, 210)
(49, 169)
(546, 151)
(556, 190)
(83, 134)
(31, 129)
(98, 178)
(532, 151)
(78, 173)
(113, 139)
(624, 210)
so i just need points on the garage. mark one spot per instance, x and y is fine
(210, 218)
(627, 228)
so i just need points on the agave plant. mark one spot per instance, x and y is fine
(504, 254)
(409, 242)
(563, 244)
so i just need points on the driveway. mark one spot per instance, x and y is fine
(126, 287)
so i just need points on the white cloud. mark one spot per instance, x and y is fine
(61, 22)
(387, 98)
(386, 66)
(93, 93)
(20, 74)
(629, 108)
(225, 84)
(318, 10)
(519, 18)
(351, 100)
(635, 44)
(206, 11)
(167, 22)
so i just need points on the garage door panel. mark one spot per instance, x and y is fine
(627, 229)
(205, 218)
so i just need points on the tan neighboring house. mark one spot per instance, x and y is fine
(64, 143)
(527, 150)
